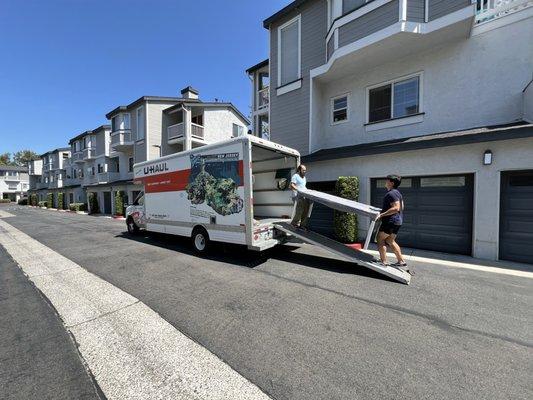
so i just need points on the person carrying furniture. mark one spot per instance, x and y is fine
(301, 213)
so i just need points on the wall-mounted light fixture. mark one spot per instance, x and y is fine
(487, 157)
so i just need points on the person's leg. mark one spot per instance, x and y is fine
(305, 213)
(297, 213)
(382, 246)
(391, 242)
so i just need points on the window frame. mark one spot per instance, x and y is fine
(143, 125)
(298, 20)
(331, 109)
(391, 82)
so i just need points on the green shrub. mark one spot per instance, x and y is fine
(33, 199)
(23, 201)
(60, 200)
(93, 203)
(5, 201)
(42, 204)
(345, 223)
(77, 207)
(119, 203)
(50, 200)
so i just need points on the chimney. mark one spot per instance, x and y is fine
(189, 93)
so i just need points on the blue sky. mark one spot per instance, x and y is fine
(66, 63)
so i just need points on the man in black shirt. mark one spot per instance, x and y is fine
(391, 221)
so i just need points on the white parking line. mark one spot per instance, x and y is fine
(132, 352)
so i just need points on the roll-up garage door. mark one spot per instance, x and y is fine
(516, 216)
(322, 217)
(438, 212)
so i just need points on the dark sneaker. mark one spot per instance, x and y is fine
(399, 264)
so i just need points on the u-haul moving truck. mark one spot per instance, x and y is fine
(231, 191)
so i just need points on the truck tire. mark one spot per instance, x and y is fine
(133, 229)
(200, 240)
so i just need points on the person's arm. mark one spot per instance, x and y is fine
(395, 208)
(293, 183)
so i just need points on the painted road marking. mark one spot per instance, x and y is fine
(132, 352)
(474, 267)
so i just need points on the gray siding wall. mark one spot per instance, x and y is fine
(416, 10)
(439, 8)
(374, 21)
(289, 113)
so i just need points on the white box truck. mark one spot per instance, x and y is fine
(237, 191)
(231, 191)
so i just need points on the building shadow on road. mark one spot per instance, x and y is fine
(240, 256)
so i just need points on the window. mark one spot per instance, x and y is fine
(130, 164)
(126, 121)
(289, 52)
(339, 109)
(394, 100)
(238, 130)
(264, 127)
(100, 168)
(74, 174)
(443, 181)
(114, 123)
(140, 123)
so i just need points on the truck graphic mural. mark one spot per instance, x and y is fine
(214, 179)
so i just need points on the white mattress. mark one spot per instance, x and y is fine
(338, 203)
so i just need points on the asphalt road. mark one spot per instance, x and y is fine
(302, 324)
(38, 359)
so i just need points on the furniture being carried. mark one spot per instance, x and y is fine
(356, 256)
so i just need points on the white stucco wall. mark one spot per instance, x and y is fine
(507, 155)
(473, 82)
(218, 124)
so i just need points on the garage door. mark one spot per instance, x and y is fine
(516, 216)
(322, 217)
(438, 212)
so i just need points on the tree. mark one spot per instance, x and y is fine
(23, 157)
(5, 159)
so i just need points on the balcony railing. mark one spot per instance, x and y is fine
(487, 10)
(77, 156)
(197, 131)
(88, 153)
(175, 131)
(104, 177)
(121, 137)
(41, 185)
(262, 98)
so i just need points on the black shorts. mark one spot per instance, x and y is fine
(389, 228)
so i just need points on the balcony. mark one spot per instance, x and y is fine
(489, 10)
(41, 185)
(77, 157)
(122, 140)
(263, 99)
(381, 31)
(105, 177)
(88, 153)
(176, 132)
(89, 180)
(58, 183)
(71, 181)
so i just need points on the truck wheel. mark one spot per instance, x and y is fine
(200, 240)
(133, 229)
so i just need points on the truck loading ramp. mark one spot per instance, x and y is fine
(355, 256)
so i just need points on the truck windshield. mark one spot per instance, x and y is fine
(139, 200)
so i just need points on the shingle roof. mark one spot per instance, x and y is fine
(90, 132)
(516, 130)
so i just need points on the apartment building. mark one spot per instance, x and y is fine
(14, 182)
(437, 91)
(52, 166)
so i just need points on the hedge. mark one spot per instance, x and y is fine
(23, 201)
(42, 204)
(345, 223)
(50, 200)
(93, 203)
(5, 201)
(119, 203)
(77, 207)
(34, 200)
(60, 200)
